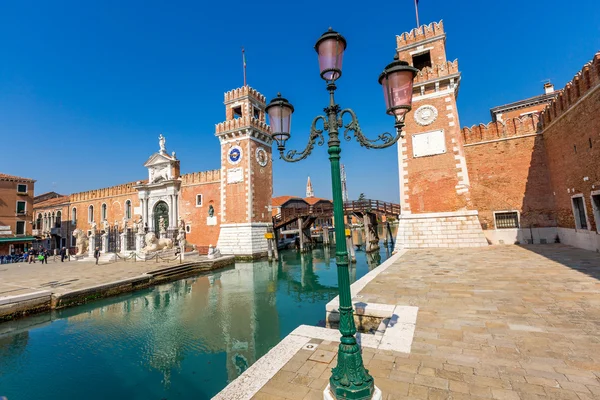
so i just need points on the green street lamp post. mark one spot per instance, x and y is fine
(349, 379)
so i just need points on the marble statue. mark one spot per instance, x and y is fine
(105, 226)
(181, 233)
(161, 143)
(124, 224)
(211, 211)
(139, 225)
(93, 227)
(155, 244)
(162, 224)
(173, 155)
(81, 242)
(180, 223)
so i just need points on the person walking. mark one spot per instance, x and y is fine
(63, 254)
(45, 254)
(97, 254)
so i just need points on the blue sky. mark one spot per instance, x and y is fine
(86, 87)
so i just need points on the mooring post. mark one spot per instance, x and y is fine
(270, 249)
(325, 236)
(301, 234)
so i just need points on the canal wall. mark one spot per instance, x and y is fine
(37, 301)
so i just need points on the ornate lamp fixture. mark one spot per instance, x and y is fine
(349, 379)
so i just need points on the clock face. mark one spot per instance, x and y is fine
(234, 155)
(262, 158)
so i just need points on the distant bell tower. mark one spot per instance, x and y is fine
(309, 189)
(246, 174)
(434, 181)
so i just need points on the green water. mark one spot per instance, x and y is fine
(182, 340)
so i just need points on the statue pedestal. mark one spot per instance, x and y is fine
(123, 242)
(211, 221)
(139, 242)
(91, 245)
(163, 235)
(104, 243)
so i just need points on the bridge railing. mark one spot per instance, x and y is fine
(369, 205)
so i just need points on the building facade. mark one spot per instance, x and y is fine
(16, 209)
(532, 175)
(226, 207)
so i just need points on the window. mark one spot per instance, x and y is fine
(38, 223)
(256, 112)
(103, 217)
(21, 188)
(596, 208)
(188, 229)
(74, 215)
(58, 219)
(20, 227)
(128, 209)
(198, 200)
(237, 112)
(21, 207)
(506, 219)
(422, 60)
(579, 213)
(91, 214)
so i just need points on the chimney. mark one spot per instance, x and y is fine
(548, 88)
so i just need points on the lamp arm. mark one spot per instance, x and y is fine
(315, 133)
(386, 139)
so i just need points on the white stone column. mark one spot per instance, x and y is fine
(171, 211)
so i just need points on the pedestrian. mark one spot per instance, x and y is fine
(97, 254)
(45, 259)
(63, 254)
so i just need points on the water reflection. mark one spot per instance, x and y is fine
(184, 339)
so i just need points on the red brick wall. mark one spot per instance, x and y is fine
(432, 180)
(200, 234)
(262, 184)
(8, 205)
(508, 172)
(572, 138)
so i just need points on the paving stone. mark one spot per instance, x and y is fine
(322, 356)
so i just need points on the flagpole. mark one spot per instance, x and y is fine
(244, 64)
(417, 12)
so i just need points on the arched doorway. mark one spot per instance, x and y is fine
(161, 209)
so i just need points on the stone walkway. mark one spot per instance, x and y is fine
(500, 322)
(59, 277)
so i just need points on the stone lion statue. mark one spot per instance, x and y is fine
(81, 241)
(155, 244)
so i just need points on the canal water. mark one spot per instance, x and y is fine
(182, 340)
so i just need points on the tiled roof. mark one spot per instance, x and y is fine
(315, 200)
(6, 177)
(281, 200)
(51, 202)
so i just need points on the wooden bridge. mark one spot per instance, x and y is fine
(366, 210)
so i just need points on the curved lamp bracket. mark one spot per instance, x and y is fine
(315, 133)
(382, 141)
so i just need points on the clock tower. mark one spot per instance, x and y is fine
(436, 208)
(246, 174)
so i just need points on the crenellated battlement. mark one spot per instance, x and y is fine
(117, 190)
(513, 127)
(437, 71)
(244, 91)
(420, 33)
(584, 81)
(201, 177)
(240, 123)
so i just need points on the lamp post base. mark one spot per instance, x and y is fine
(328, 394)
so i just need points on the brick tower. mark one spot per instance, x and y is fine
(434, 181)
(246, 174)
